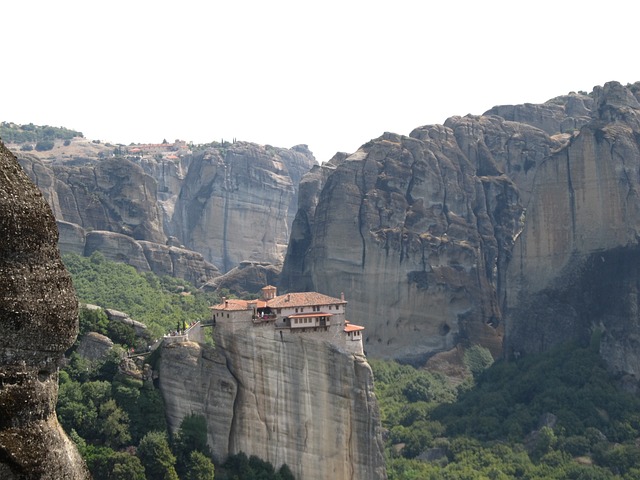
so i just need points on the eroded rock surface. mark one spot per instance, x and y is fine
(519, 224)
(290, 399)
(575, 267)
(238, 203)
(417, 230)
(38, 318)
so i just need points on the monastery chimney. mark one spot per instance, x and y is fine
(342, 296)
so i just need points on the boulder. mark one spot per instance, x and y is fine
(94, 346)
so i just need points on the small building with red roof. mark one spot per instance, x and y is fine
(298, 312)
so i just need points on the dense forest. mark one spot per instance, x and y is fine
(558, 415)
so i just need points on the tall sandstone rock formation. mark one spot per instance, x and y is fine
(290, 399)
(113, 195)
(575, 269)
(417, 230)
(188, 216)
(519, 225)
(237, 203)
(38, 318)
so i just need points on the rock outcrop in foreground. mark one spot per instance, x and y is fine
(292, 399)
(38, 319)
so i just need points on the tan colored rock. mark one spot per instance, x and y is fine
(94, 347)
(237, 203)
(112, 194)
(578, 253)
(290, 399)
(418, 233)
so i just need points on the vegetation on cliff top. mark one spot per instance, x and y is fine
(557, 415)
(161, 303)
(14, 133)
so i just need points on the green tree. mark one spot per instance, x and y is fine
(114, 424)
(199, 467)
(156, 457)
(477, 359)
(126, 467)
(93, 320)
(191, 437)
(44, 145)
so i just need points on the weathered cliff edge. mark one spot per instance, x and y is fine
(38, 319)
(518, 225)
(294, 399)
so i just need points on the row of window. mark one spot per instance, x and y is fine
(305, 320)
(314, 308)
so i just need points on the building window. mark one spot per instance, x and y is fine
(296, 310)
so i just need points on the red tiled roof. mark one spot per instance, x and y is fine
(237, 304)
(349, 327)
(303, 299)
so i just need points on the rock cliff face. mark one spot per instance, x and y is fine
(293, 400)
(417, 230)
(575, 268)
(513, 222)
(237, 203)
(113, 195)
(38, 318)
(229, 203)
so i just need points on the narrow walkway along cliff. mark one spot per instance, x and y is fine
(287, 381)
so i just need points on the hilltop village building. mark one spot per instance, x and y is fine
(307, 313)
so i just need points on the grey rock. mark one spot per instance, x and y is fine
(237, 203)
(246, 279)
(294, 400)
(94, 347)
(38, 318)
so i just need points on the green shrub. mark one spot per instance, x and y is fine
(44, 145)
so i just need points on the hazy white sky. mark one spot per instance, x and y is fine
(329, 74)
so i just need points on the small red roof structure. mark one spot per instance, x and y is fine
(349, 327)
(303, 299)
(238, 304)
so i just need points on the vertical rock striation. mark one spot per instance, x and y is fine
(291, 399)
(38, 318)
(237, 202)
(417, 229)
(576, 268)
(522, 222)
